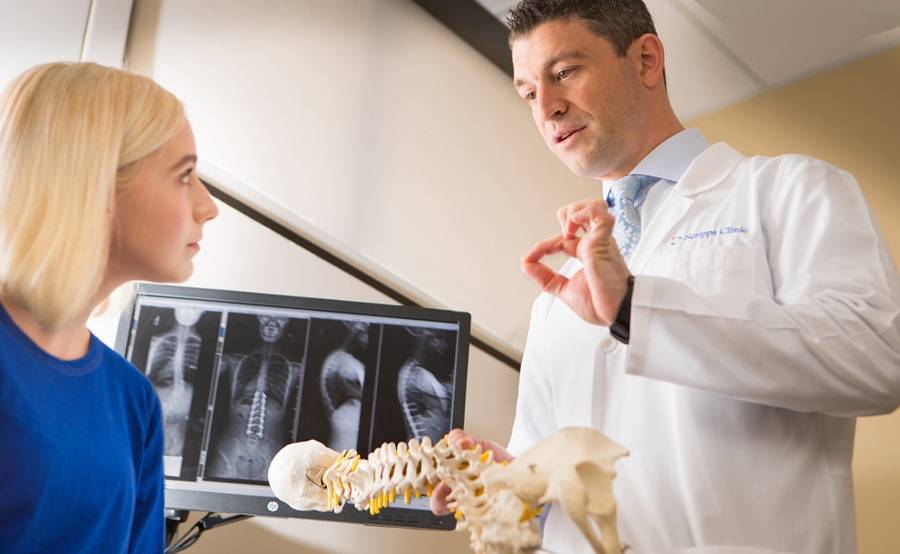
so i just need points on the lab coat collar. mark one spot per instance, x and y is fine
(670, 159)
(708, 169)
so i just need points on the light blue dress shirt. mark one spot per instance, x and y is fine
(668, 162)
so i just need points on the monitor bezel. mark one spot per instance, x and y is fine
(194, 500)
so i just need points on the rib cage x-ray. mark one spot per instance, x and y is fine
(340, 362)
(425, 401)
(172, 368)
(341, 383)
(254, 405)
(414, 393)
(241, 375)
(175, 348)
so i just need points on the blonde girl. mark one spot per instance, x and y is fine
(97, 187)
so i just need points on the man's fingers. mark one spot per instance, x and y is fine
(545, 247)
(600, 232)
(500, 454)
(439, 500)
(549, 280)
(578, 215)
(568, 227)
(458, 436)
(462, 439)
(561, 217)
(570, 247)
(573, 221)
(592, 215)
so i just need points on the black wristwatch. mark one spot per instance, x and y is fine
(621, 327)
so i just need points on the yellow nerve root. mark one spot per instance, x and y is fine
(529, 512)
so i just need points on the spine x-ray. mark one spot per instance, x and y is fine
(173, 346)
(238, 383)
(414, 393)
(256, 395)
(341, 361)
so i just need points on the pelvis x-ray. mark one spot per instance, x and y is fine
(175, 348)
(414, 383)
(341, 354)
(256, 395)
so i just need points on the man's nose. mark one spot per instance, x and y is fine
(549, 105)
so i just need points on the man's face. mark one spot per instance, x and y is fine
(584, 98)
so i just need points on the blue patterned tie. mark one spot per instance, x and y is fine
(622, 198)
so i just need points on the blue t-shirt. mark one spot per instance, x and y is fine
(80, 451)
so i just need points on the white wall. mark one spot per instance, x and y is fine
(370, 119)
(41, 31)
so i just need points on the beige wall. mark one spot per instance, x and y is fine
(371, 120)
(849, 116)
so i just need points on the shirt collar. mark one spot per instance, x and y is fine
(670, 159)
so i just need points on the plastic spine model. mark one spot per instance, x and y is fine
(496, 502)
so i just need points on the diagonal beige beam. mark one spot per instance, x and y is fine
(267, 211)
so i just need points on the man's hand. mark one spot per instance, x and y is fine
(596, 291)
(458, 436)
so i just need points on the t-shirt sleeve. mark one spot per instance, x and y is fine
(148, 527)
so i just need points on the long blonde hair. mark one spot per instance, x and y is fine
(70, 133)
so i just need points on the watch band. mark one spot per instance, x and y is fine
(621, 327)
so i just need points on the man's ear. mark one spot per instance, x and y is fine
(650, 58)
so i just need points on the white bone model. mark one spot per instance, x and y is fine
(497, 502)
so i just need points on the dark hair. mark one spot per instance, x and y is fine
(618, 21)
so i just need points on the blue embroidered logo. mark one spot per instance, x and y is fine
(727, 230)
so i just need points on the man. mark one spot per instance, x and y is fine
(725, 319)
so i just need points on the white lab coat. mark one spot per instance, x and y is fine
(764, 319)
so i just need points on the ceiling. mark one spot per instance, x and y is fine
(719, 52)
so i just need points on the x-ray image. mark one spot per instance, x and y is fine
(256, 394)
(175, 348)
(414, 384)
(341, 355)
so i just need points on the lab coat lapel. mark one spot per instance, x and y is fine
(670, 214)
(708, 170)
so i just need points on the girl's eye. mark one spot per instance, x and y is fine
(186, 176)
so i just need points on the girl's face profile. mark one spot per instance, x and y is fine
(159, 214)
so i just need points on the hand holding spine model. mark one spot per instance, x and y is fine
(497, 502)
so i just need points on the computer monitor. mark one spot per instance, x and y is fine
(240, 375)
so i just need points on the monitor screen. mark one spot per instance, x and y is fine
(240, 375)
